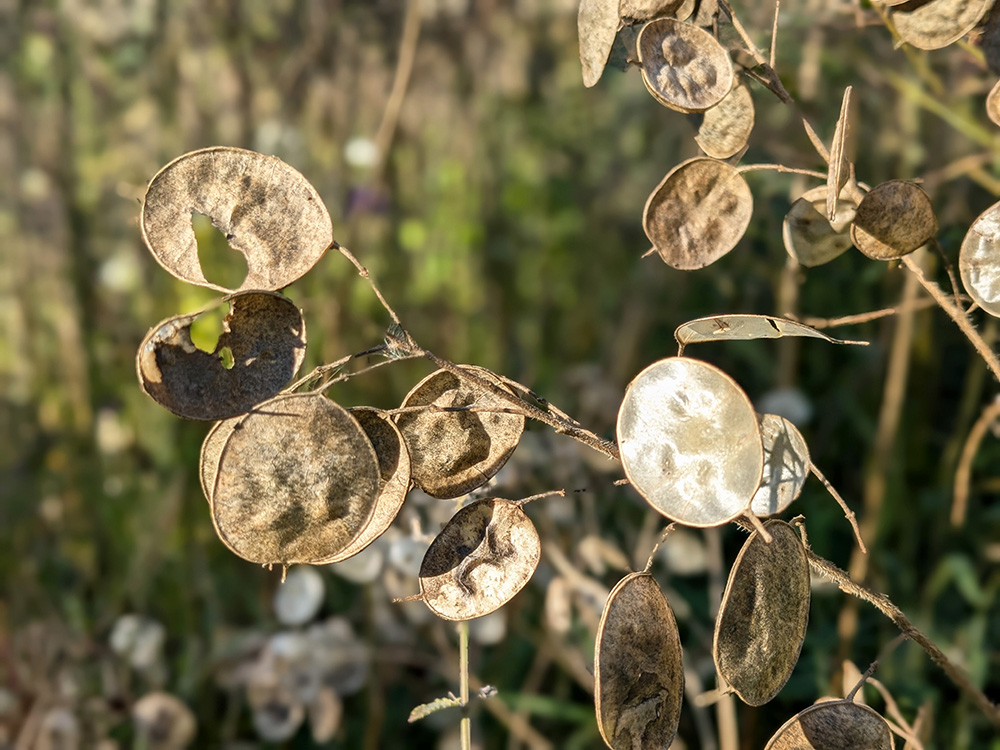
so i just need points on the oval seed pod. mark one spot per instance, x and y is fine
(690, 442)
(211, 452)
(932, 24)
(809, 236)
(297, 482)
(746, 327)
(763, 616)
(452, 453)
(684, 67)
(263, 332)
(979, 260)
(786, 465)
(726, 127)
(697, 213)
(834, 725)
(638, 667)
(597, 25)
(483, 556)
(394, 478)
(893, 220)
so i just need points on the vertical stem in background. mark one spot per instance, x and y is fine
(465, 727)
(725, 709)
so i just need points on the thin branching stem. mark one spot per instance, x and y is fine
(848, 513)
(465, 726)
(963, 474)
(780, 168)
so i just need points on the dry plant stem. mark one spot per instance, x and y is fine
(400, 81)
(899, 725)
(465, 727)
(850, 320)
(848, 513)
(663, 537)
(330, 366)
(816, 141)
(770, 77)
(774, 35)
(725, 708)
(348, 375)
(781, 168)
(955, 294)
(963, 474)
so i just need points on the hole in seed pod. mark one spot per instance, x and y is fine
(220, 264)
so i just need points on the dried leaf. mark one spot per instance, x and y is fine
(993, 104)
(268, 211)
(841, 156)
(697, 213)
(638, 667)
(763, 616)
(639, 11)
(786, 465)
(690, 442)
(483, 556)
(297, 482)
(745, 327)
(684, 67)
(834, 725)
(453, 452)
(265, 335)
(597, 24)
(809, 236)
(932, 24)
(893, 220)
(979, 260)
(725, 128)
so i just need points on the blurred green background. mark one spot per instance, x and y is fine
(498, 203)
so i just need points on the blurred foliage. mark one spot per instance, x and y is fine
(504, 224)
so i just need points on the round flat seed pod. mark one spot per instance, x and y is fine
(394, 477)
(809, 236)
(786, 465)
(834, 725)
(452, 453)
(597, 25)
(763, 616)
(211, 452)
(936, 23)
(893, 220)
(697, 213)
(747, 327)
(483, 556)
(684, 67)
(638, 667)
(690, 442)
(993, 104)
(979, 260)
(638, 11)
(265, 336)
(268, 211)
(726, 127)
(297, 482)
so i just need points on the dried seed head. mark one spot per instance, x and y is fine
(597, 24)
(979, 260)
(810, 237)
(834, 725)
(638, 667)
(268, 211)
(726, 127)
(746, 327)
(893, 220)
(786, 465)
(684, 67)
(483, 556)
(932, 24)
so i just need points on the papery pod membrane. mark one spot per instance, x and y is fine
(690, 442)
(726, 127)
(597, 24)
(747, 327)
(893, 220)
(211, 452)
(809, 236)
(685, 10)
(483, 556)
(452, 453)
(979, 260)
(394, 477)
(638, 667)
(638, 11)
(763, 616)
(297, 482)
(684, 67)
(841, 156)
(268, 211)
(932, 24)
(993, 104)
(786, 465)
(697, 213)
(834, 725)
(266, 336)
(623, 52)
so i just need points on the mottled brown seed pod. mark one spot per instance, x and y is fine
(809, 236)
(834, 725)
(684, 67)
(893, 220)
(725, 128)
(932, 24)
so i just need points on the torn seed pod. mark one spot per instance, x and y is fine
(786, 465)
(690, 442)
(747, 327)
(763, 616)
(483, 556)
(725, 128)
(638, 667)
(841, 156)
(933, 24)
(597, 25)
(834, 725)
(809, 236)
(979, 260)
(264, 333)
(297, 482)
(893, 220)
(394, 478)
(453, 452)
(697, 213)
(684, 67)
(268, 211)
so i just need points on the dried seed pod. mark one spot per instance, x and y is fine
(993, 104)
(684, 67)
(297, 482)
(979, 260)
(163, 722)
(265, 335)
(745, 327)
(841, 156)
(638, 667)
(597, 24)
(268, 211)
(690, 442)
(697, 213)
(639, 11)
(834, 725)
(483, 556)
(932, 24)
(893, 220)
(786, 465)
(763, 616)
(453, 452)
(809, 236)
(394, 477)
(211, 452)
(725, 128)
